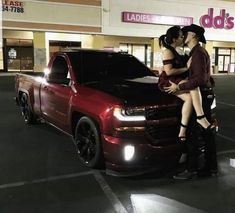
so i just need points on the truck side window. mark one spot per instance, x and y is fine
(59, 71)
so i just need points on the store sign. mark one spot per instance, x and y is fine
(12, 53)
(221, 21)
(146, 18)
(12, 6)
(0, 32)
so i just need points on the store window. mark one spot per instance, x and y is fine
(19, 55)
(55, 46)
(1, 60)
(225, 59)
(232, 64)
(142, 52)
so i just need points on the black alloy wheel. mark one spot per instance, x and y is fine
(88, 144)
(26, 109)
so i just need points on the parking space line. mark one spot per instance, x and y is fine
(10, 185)
(226, 137)
(224, 103)
(226, 151)
(42, 180)
(117, 205)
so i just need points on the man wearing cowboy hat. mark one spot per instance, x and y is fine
(199, 71)
(199, 77)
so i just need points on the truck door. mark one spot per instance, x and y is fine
(56, 93)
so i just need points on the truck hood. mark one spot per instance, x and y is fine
(137, 91)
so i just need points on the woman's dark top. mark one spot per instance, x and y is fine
(178, 62)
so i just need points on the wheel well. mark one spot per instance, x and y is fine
(76, 116)
(20, 94)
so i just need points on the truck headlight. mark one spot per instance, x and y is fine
(129, 114)
(129, 152)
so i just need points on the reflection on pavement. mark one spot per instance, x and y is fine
(151, 203)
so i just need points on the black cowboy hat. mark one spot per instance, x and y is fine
(198, 30)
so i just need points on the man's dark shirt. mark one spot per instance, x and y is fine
(199, 70)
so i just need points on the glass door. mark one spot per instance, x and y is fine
(224, 59)
(19, 54)
(223, 63)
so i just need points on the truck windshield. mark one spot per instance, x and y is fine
(94, 66)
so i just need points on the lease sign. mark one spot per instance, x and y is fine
(12, 6)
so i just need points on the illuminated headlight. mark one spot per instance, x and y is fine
(129, 114)
(213, 105)
(129, 152)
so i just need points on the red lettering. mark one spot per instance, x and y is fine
(219, 20)
(13, 3)
(207, 20)
(230, 23)
(17, 4)
(5, 2)
(223, 21)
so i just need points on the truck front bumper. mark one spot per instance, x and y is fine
(146, 157)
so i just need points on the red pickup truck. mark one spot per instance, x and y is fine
(110, 104)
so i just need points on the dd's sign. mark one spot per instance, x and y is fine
(222, 21)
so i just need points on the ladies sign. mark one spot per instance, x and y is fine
(222, 21)
(146, 18)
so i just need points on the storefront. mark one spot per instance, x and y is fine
(18, 54)
(32, 31)
(152, 18)
(224, 57)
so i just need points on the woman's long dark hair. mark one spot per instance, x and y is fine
(167, 39)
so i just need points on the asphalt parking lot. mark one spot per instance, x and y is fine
(40, 171)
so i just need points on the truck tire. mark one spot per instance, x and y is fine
(27, 113)
(88, 144)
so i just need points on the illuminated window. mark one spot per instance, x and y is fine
(140, 51)
(19, 55)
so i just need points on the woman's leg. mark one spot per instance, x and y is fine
(185, 112)
(197, 104)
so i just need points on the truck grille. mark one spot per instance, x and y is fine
(166, 129)
(160, 113)
(162, 134)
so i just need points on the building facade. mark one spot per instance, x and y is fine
(32, 30)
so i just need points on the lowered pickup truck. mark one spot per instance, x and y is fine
(111, 106)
